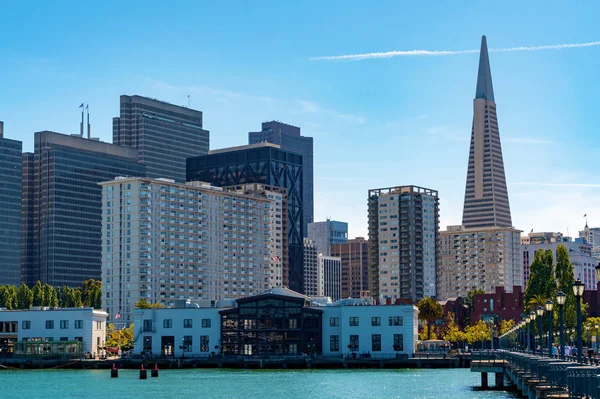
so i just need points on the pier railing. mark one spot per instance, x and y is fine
(539, 376)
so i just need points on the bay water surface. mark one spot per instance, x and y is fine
(219, 383)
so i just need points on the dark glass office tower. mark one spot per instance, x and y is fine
(65, 201)
(164, 134)
(288, 138)
(10, 210)
(267, 164)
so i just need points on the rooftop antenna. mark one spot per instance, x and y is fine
(188, 100)
(87, 108)
(81, 126)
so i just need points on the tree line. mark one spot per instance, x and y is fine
(89, 294)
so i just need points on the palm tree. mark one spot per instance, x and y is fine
(535, 301)
(430, 311)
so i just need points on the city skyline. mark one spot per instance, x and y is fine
(359, 113)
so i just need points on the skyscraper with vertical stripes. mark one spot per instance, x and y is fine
(486, 196)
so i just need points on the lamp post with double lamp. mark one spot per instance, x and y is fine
(528, 335)
(532, 316)
(560, 300)
(578, 289)
(540, 314)
(597, 339)
(549, 307)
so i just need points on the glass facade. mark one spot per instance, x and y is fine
(289, 138)
(271, 324)
(66, 205)
(264, 164)
(10, 211)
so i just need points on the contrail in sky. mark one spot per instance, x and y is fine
(418, 53)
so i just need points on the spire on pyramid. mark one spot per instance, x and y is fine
(484, 76)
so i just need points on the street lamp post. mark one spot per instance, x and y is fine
(532, 316)
(597, 339)
(560, 300)
(540, 314)
(578, 289)
(549, 307)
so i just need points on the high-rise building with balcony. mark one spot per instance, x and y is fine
(168, 242)
(288, 137)
(263, 163)
(164, 134)
(10, 209)
(62, 205)
(403, 242)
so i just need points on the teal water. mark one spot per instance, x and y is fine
(215, 383)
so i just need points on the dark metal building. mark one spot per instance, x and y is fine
(277, 322)
(164, 134)
(10, 210)
(289, 138)
(267, 164)
(62, 206)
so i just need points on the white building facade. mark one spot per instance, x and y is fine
(165, 242)
(86, 325)
(349, 326)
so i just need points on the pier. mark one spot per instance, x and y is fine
(533, 376)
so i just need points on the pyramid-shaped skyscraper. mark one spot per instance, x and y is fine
(484, 252)
(486, 196)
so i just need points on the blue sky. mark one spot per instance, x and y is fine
(376, 122)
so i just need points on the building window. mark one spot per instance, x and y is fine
(293, 323)
(376, 321)
(334, 321)
(98, 325)
(187, 323)
(353, 346)
(334, 343)
(204, 343)
(148, 343)
(26, 324)
(398, 342)
(64, 338)
(187, 343)
(205, 323)
(376, 342)
(168, 323)
(49, 324)
(64, 324)
(147, 325)
(78, 324)
(353, 321)
(79, 339)
(395, 321)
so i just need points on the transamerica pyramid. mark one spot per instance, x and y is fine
(486, 196)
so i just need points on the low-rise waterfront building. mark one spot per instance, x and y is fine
(278, 322)
(63, 331)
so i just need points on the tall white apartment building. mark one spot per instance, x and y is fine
(166, 242)
(311, 268)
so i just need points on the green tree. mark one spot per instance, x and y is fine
(38, 294)
(535, 301)
(7, 300)
(119, 338)
(91, 293)
(144, 304)
(470, 302)
(24, 297)
(565, 278)
(430, 311)
(453, 333)
(506, 325)
(480, 331)
(77, 303)
(50, 296)
(542, 280)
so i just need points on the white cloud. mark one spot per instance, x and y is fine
(430, 53)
